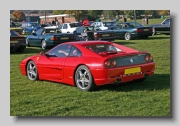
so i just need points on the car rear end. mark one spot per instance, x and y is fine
(143, 31)
(125, 67)
(17, 43)
(61, 38)
(104, 35)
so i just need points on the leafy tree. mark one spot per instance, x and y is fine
(78, 14)
(94, 14)
(164, 12)
(129, 13)
(18, 15)
(56, 12)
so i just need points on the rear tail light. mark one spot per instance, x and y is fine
(112, 34)
(97, 35)
(151, 58)
(107, 63)
(139, 30)
(72, 37)
(114, 63)
(150, 29)
(53, 38)
(148, 58)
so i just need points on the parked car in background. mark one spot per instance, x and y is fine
(93, 33)
(109, 24)
(87, 23)
(48, 37)
(89, 64)
(162, 28)
(69, 27)
(17, 42)
(131, 30)
(17, 29)
(29, 27)
(100, 25)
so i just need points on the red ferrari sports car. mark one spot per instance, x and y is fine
(89, 64)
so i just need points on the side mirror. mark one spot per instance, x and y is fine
(42, 53)
(34, 34)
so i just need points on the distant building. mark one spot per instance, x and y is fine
(62, 18)
(32, 17)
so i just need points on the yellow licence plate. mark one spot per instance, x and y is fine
(64, 38)
(146, 29)
(132, 70)
(105, 35)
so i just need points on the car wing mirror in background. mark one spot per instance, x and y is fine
(34, 34)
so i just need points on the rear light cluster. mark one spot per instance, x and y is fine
(100, 35)
(139, 30)
(148, 58)
(97, 35)
(110, 63)
(57, 38)
(150, 29)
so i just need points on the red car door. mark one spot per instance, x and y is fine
(51, 65)
(51, 68)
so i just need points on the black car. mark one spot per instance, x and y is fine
(93, 33)
(162, 28)
(17, 42)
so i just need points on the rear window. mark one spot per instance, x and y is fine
(98, 48)
(75, 25)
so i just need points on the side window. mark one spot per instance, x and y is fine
(39, 31)
(60, 27)
(65, 26)
(75, 52)
(60, 51)
(80, 29)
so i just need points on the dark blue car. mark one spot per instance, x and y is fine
(29, 27)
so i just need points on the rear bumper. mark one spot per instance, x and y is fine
(110, 76)
(141, 35)
(17, 46)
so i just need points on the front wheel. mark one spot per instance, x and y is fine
(127, 36)
(32, 72)
(83, 79)
(43, 44)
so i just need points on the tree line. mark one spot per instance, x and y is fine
(92, 14)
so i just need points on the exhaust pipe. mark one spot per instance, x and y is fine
(146, 75)
(117, 81)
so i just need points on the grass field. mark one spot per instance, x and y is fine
(43, 98)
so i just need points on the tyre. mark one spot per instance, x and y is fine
(31, 70)
(84, 79)
(127, 36)
(20, 50)
(43, 44)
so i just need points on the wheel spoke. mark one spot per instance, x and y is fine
(80, 73)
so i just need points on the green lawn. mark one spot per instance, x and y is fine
(43, 98)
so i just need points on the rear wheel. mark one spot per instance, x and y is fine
(43, 44)
(127, 36)
(32, 72)
(83, 79)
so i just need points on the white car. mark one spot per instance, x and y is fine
(100, 25)
(69, 27)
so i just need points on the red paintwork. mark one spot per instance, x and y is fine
(63, 69)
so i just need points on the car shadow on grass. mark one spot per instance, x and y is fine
(152, 83)
(29, 50)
